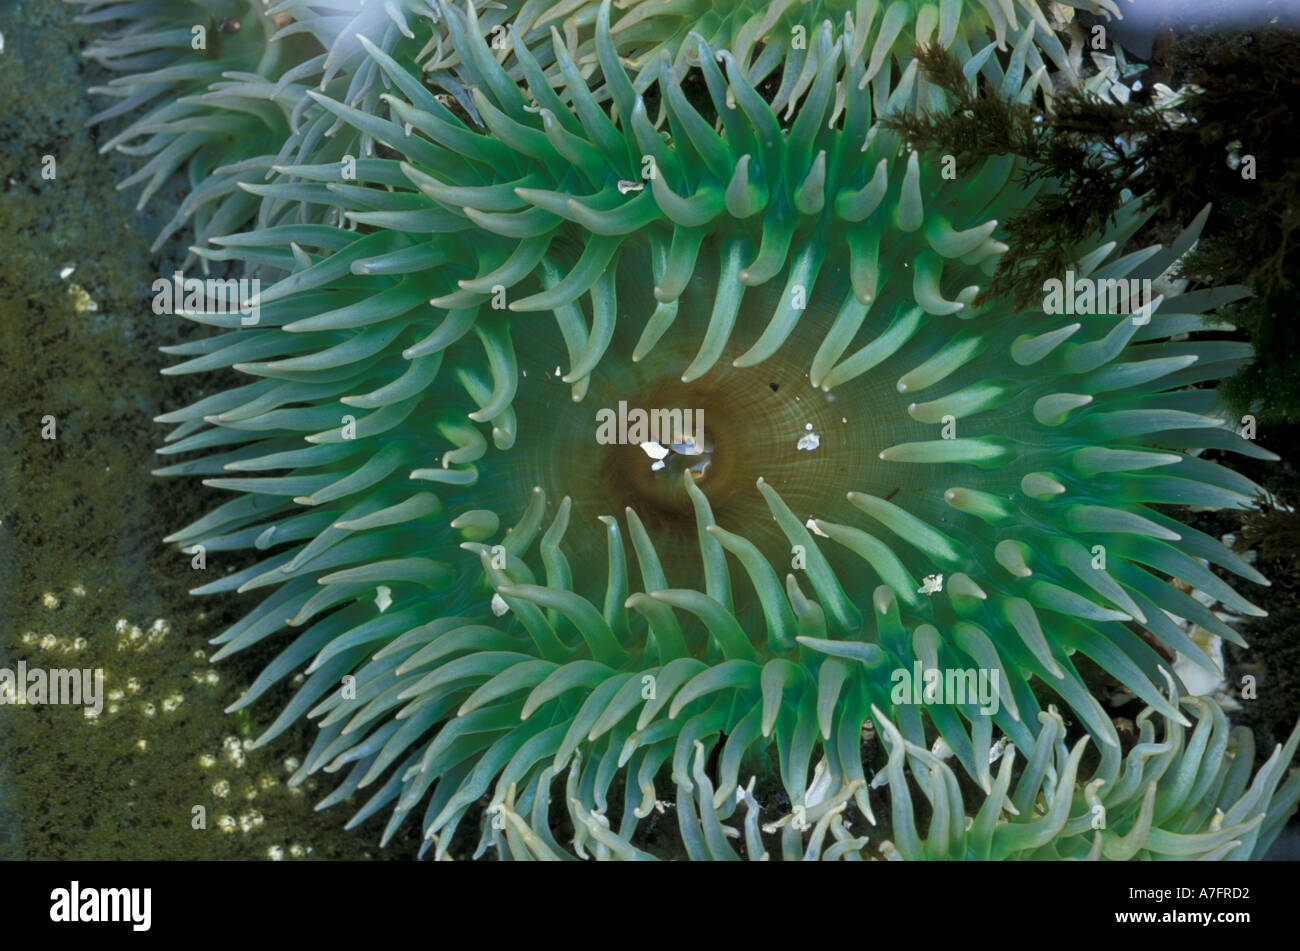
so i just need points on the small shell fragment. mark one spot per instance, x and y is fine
(931, 584)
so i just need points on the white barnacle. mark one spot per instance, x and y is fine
(499, 606)
(931, 584)
(624, 186)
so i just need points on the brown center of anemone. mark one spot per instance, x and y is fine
(724, 432)
(765, 422)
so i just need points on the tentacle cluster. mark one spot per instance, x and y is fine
(567, 46)
(1026, 456)
(764, 37)
(1180, 798)
(236, 109)
(545, 179)
(200, 79)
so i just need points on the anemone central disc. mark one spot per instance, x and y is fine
(763, 422)
(726, 431)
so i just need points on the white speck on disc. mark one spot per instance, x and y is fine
(654, 450)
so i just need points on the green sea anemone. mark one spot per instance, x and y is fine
(887, 475)
(219, 86)
(765, 40)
